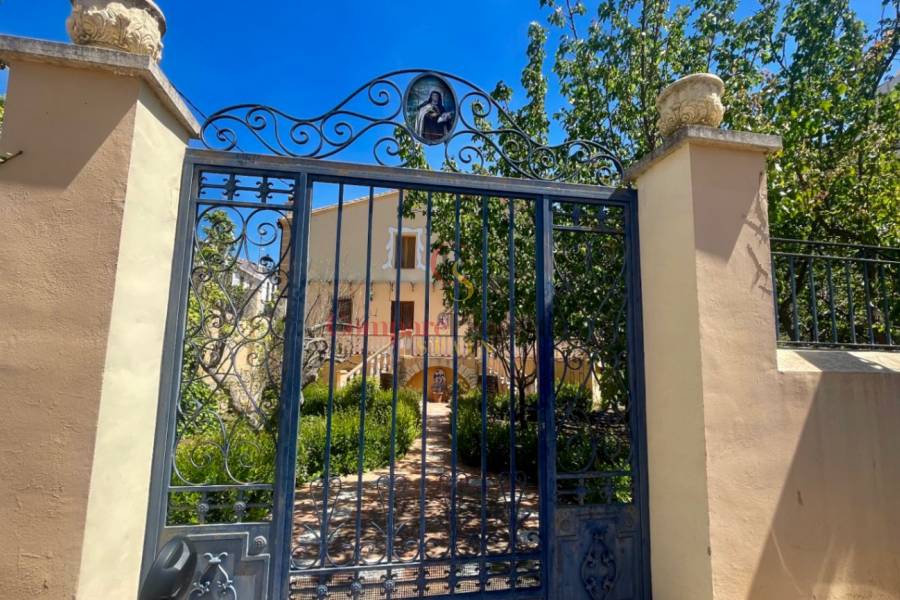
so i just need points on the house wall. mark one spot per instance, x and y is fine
(354, 229)
(382, 290)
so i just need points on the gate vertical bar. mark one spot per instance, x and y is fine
(513, 415)
(482, 579)
(637, 424)
(392, 469)
(289, 408)
(454, 413)
(423, 470)
(329, 410)
(546, 393)
(364, 390)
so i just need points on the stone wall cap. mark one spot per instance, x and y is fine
(707, 136)
(16, 48)
(798, 360)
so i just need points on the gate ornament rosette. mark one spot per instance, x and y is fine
(401, 111)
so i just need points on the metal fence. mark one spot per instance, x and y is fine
(835, 295)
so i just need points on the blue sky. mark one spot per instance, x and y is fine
(304, 56)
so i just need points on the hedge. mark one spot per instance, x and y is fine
(577, 447)
(199, 456)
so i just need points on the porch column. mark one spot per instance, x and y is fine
(709, 343)
(87, 225)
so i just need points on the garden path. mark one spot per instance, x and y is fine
(345, 548)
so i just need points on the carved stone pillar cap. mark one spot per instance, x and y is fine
(136, 26)
(692, 100)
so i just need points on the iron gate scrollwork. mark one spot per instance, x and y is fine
(393, 383)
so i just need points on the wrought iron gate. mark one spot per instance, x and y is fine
(314, 443)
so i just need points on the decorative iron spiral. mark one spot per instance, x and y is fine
(485, 139)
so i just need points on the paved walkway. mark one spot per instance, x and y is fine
(408, 505)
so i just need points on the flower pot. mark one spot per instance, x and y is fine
(692, 100)
(130, 25)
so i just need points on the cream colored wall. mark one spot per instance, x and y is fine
(123, 452)
(61, 207)
(354, 227)
(789, 462)
(830, 531)
(737, 341)
(679, 510)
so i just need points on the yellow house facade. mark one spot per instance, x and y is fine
(415, 262)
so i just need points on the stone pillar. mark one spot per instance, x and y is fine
(87, 222)
(709, 342)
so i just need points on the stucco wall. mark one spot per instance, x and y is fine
(87, 216)
(832, 531)
(123, 453)
(354, 228)
(787, 462)
(679, 511)
(61, 207)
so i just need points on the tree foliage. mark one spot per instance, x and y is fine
(804, 69)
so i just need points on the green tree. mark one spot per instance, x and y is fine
(838, 177)
(805, 69)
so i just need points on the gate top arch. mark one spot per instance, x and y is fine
(471, 130)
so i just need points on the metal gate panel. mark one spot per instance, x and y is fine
(528, 483)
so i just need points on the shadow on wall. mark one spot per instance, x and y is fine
(836, 529)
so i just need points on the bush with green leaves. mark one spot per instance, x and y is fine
(345, 428)
(227, 450)
(578, 445)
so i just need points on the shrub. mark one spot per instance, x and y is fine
(345, 440)
(576, 446)
(222, 455)
(347, 399)
(498, 430)
(200, 456)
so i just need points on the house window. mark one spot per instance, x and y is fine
(344, 314)
(407, 252)
(407, 313)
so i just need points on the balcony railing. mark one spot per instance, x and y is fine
(410, 344)
(833, 295)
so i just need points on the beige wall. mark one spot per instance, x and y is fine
(773, 475)
(82, 212)
(679, 510)
(61, 207)
(120, 480)
(832, 530)
(354, 227)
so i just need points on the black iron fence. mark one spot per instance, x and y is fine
(834, 295)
